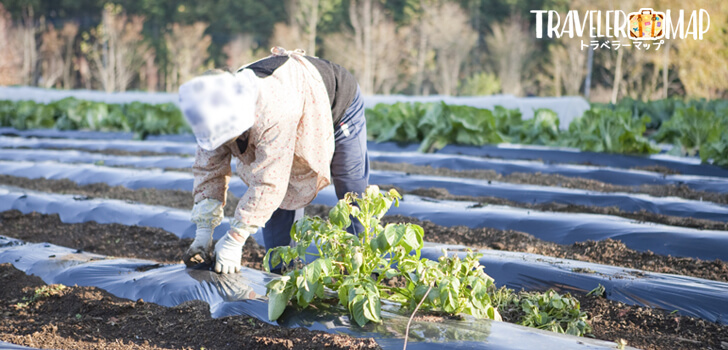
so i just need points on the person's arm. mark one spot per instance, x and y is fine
(268, 183)
(270, 171)
(211, 173)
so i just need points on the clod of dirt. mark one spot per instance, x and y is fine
(91, 318)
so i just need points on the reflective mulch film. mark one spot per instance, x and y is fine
(532, 194)
(243, 293)
(562, 228)
(689, 295)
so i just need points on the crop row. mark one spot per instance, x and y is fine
(73, 114)
(693, 128)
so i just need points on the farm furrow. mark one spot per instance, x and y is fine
(637, 208)
(558, 181)
(562, 228)
(692, 296)
(604, 252)
(628, 202)
(101, 320)
(709, 188)
(539, 224)
(173, 285)
(685, 166)
(542, 154)
(662, 332)
(489, 168)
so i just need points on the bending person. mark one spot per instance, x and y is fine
(294, 124)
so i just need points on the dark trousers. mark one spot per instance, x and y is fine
(349, 173)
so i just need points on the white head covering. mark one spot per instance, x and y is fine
(219, 107)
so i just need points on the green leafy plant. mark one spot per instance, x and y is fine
(598, 291)
(542, 129)
(604, 130)
(72, 114)
(716, 151)
(41, 293)
(464, 125)
(396, 122)
(692, 129)
(550, 311)
(356, 269)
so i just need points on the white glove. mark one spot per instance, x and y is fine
(200, 250)
(228, 253)
(206, 214)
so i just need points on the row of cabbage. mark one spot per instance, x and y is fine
(73, 114)
(693, 128)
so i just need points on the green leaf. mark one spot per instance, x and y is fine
(339, 215)
(279, 293)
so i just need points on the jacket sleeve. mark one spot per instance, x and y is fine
(212, 174)
(270, 171)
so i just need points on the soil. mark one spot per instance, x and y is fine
(651, 329)
(77, 317)
(109, 322)
(658, 169)
(682, 191)
(608, 252)
(91, 318)
(184, 200)
(169, 198)
(139, 242)
(641, 216)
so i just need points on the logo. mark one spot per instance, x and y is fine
(646, 25)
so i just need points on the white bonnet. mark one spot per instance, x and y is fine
(219, 107)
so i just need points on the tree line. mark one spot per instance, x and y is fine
(418, 47)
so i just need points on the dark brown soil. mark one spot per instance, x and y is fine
(169, 198)
(682, 191)
(91, 318)
(114, 152)
(658, 169)
(651, 329)
(139, 242)
(184, 200)
(608, 252)
(104, 318)
(604, 252)
(641, 216)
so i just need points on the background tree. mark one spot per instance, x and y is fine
(242, 50)
(51, 57)
(116, 49)
(509, 48)
(392, 46)
(29, 29)
(702, 64)
(11, 60)
(187, 46)
(452, 44)
(370, 49)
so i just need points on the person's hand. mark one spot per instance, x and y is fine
(228, 253)
(200, 251)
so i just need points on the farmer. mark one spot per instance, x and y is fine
(294, 124)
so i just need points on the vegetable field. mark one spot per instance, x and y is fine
(531, 244)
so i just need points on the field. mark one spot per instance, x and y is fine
(107, 217)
